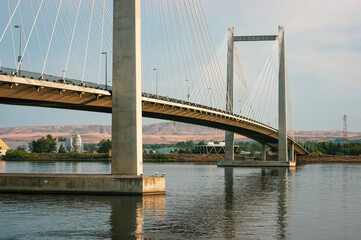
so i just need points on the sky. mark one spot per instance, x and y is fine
(323, 50)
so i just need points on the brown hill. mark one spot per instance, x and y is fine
(325, 135)
(153, 133)
(167, 132)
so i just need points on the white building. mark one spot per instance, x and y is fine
(74, 144)
(215, 148)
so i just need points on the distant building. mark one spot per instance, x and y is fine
(215, 148)
(74, 144)
(3, 148)
(165, 150)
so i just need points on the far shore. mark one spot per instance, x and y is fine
(324, 158)
(172, 157)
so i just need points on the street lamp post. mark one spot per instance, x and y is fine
(20, 55)
(210, 96)
(156, 81)
(106, 69)
(188, 95)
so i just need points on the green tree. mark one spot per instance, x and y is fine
(252, 153)
(190, 145)
(47, 144)
(201, 143)
(21, 147)
(13, 154)
(61, 149)
(90, 147)
(181, 145)
(61, 139)
(104, 146)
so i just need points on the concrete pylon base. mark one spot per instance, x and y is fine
(81, 184)
(255, 164)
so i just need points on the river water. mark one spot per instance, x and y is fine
(316, 201)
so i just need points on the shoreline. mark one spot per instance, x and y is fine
(315, 158)
(174, 158)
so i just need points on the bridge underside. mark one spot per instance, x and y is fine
(29, 92)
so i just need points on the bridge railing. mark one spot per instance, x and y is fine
(70, 81)
(52, 78)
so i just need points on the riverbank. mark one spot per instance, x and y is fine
(18, 155)
(324, 158)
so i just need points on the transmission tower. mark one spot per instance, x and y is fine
(345, 146)
(344, 129)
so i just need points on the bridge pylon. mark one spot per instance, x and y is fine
(286, 155)
(229, 137)
(282, 101)
(126, 94)
(127, 154)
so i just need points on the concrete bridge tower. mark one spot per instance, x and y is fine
(285, 151)
(282, 98)
(229, 138)
(126, 98)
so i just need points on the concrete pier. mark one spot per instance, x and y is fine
(81, 184)
(229, 136)
(126, 95)
(282, 99)
(291, 152)
(263, 153)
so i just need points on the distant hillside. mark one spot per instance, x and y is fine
(168, 132)
(325, 135)
(153, 133)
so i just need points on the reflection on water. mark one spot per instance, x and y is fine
(268, 180)
(129, 213)
(2, 166)
(55, 167)
(78, 216)
(201, 202)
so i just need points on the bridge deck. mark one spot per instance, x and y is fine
(40, 93)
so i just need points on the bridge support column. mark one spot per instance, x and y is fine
(229, 148)
(263, 153)
(126, 98)
(291, 152)
(282, 104)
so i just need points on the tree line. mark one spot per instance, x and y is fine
(48, 144)
(350, 148)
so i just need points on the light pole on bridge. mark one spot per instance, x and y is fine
(156, 80)
(20, 55)
(106, 69)
(210, 95)
(188, 95)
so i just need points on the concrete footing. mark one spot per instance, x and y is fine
(81, 184)
(255, 164)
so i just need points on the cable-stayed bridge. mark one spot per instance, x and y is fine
(137, 57)
(29, 91)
